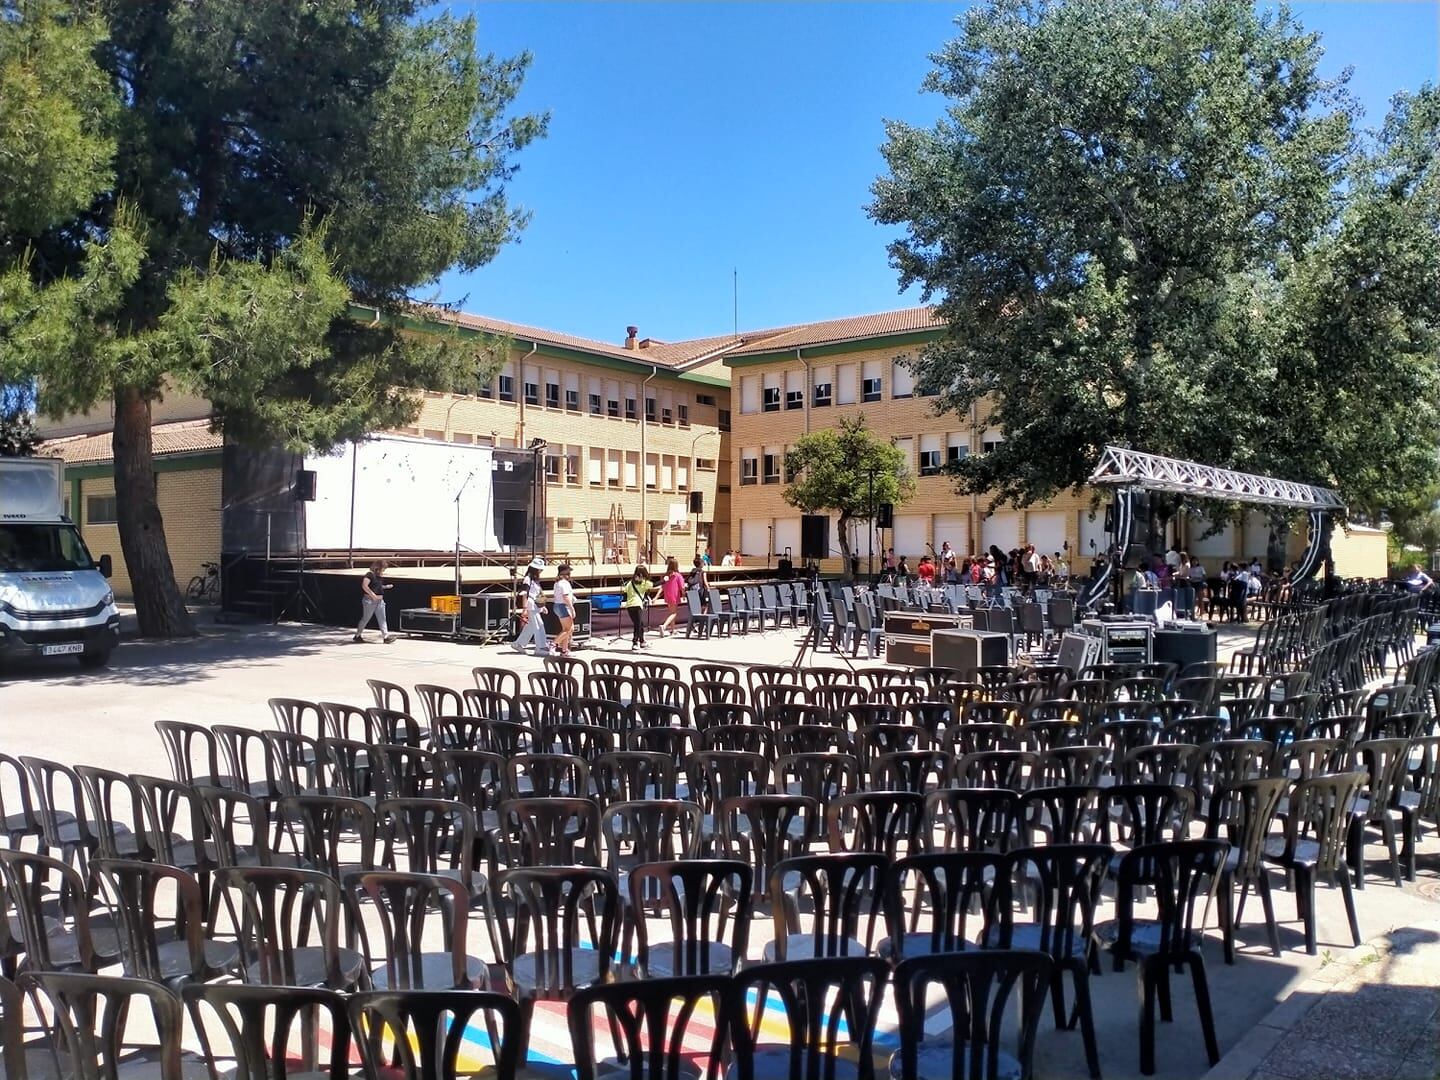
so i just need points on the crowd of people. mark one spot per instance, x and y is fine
(1021, 567)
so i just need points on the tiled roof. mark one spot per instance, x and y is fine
(857, 327)
(182, 437)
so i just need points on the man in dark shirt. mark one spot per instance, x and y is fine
(372, 601)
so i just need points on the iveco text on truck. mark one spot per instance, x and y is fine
(54, 599)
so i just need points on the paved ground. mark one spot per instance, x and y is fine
(1346, 1012)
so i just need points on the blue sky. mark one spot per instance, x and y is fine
(688, 140)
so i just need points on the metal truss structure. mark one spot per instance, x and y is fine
(1121, 467)
(1131, 471)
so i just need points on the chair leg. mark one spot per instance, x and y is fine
(1262, 886)
(1147, 1018)
(1355, 852)
(1349, 897)
(1226, 899)
(1086, 1016)
(1162, 991)
(1057, 997)
(522, 1037)
(1305, 905)
(1202, 1002)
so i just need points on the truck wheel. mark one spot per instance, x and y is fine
(95, 660)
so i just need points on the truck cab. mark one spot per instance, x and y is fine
(54, 597)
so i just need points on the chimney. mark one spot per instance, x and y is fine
(632, 337)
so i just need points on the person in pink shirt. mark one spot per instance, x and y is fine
(672, 588)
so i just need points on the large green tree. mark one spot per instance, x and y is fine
(273, 166)
(849, 471)
(1152, 222)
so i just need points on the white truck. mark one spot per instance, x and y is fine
(54, 599)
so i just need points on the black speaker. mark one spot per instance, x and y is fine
(1110, 519)
(814, 536)
(515, 529)
(885, 516)
(697, 502)
(1134, 557)
(304, 485)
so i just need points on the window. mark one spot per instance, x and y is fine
(795, 389)
(572, 466)
(552, 395)
(772, 467)
(461, 437)
(650, 409)
(772, 399)
(572, 400)
(565, 523)
(705, 399)
(930, 454)
(682, 476)
(612, 408)
(630, 413)
(990, 442)
(749, 394)
(794, 399)
(487, 389)
(902, 379)
(632, 470)
(594, 404)
(507, 387)
(790, 472)
(667, 473)
(652, 467)
(667, 416)
(532, 393)
(597, 467)
(749, 468)
(705, 464)
(100, 510)
(724, 420)
(906, 446)
(845, 384)
(552, 469)
(957, 446)
(824, 394)
(683, 412)
(870, 381)
(612, 469)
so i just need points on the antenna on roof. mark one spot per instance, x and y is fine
(735, 299)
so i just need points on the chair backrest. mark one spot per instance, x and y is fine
(90, 1022)
(438, 700)
(769, 828)
(145, 899)
(297, 716)
(650, 830)
(657, 1023)
(972, 819)
(828, 1006)
(551, 831)
(550, 913)
(698, 898)
(261, 1032)
(420, 1033)
(191, 748)
(331, 833)
(428, 836)
(885, 823)
(30, 881)
(1059, 884)
(952, 888)
(843, 894)
(978, 986)
(1137, 814)
(276, 911)
(1319, 809)
(406, 907)
(1183, 875)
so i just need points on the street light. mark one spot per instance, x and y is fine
(694, 475)
(537, 447)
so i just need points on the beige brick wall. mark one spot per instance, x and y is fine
(760, 516)
(190, 507)
(573, 503)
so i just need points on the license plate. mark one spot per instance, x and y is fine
(69, 649)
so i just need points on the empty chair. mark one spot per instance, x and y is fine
(265, 1036)
(1317, 819)
(159, 916)
(843, 896)
(419, 1034)
(655, 1024)
(89, 1015)
(706, 905)
(288, 924)
(405, 905)
(956, 889)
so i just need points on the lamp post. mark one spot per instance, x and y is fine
(694, 476)
(537, 447)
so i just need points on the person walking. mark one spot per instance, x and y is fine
(634, 595)
(532, 621)
(372, 601)
(563, 604)
(672, 588)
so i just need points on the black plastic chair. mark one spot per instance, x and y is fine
(1184, 875)
(536, 920)
(971, 819)
(89, 1026)
(888, 823)
(829, 1006)
(954, 887)
(259, 1026)
(978, 988)
(699, 898)
(1062, 882)
(843, 896)
(51, 909)
(1242, 814)
(655, 1020)
(763, 830)
(424, 1031)
(288, 925)
(1317, 818)
(406, 905)
(159, 915)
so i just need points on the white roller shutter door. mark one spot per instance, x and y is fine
(956, 529)
(787, 534)
(1046, 530)
(911, 533)
(1001, 530)
(754, 538)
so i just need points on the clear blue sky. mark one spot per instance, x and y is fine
(690, 139)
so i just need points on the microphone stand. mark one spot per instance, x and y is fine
(463, 486)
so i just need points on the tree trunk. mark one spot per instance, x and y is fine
(158, 603)
(843, 526)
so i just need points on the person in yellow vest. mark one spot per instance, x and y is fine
(637, 590)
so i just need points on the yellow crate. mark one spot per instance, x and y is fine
(446, 605)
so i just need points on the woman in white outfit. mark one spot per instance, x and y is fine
(531, 612)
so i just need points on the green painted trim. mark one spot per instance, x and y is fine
(705, 380)
(870, 344)
(208, 459)
(75, 498)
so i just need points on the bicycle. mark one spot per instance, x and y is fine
(206, 586)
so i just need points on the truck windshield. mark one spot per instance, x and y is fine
(42, 548)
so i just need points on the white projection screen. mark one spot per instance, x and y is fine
(405, 493)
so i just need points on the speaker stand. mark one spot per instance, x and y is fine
(811, 641)
(302, 606)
